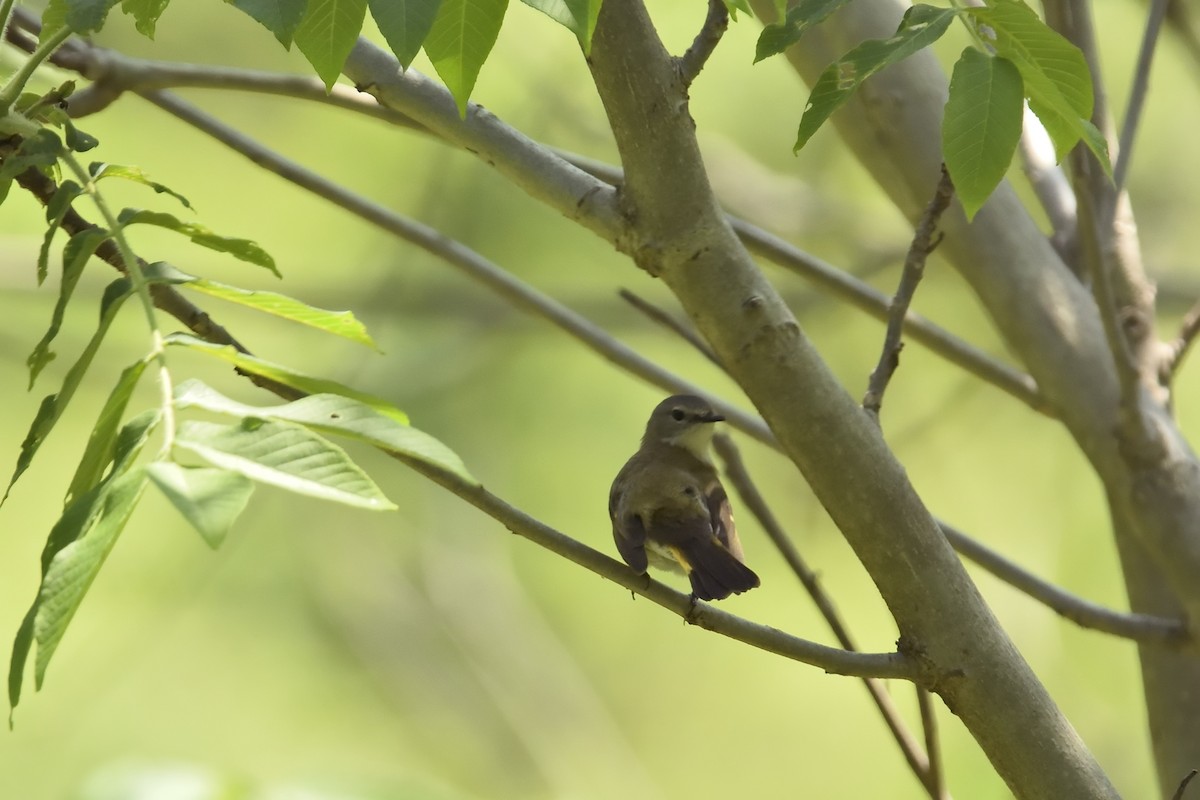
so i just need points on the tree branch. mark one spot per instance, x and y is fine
(1053, 190)
(672, 324)
(922, 245)
(1178, 348)
(715, 23)
(1137, 92)
(937, 787)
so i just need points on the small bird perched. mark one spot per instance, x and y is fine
(669, 509)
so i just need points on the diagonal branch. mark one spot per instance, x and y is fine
(715, 23)
(1137, 92)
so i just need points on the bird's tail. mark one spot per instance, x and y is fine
(715, 572)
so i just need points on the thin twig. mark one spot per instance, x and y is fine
(923, 243)
(1178, 348)
(752, 499)
(1137, 92)
(706, 41)
(671, 323)
(937, 781)
(1052, 189)
(1127, 625)
(1183, 784)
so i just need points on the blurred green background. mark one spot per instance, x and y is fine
(325, 652)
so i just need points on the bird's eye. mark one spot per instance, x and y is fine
(677, 414)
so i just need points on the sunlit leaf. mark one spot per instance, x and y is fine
(280, 17)
(208, 497)
(577, 16)
(102, 441)
(404, 24)
(100, 170)
(462, 36)
(779, 36)
(327, 35)
(242, 249)
(145, 14)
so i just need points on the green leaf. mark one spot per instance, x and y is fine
(982, 125)
(100, 170)
(242, 249)
(288, 377)
(41, 151)
(77, 140)
(779, 36)
(338, 323)
(209, 498)
(327, 35)
(405, 24)
(734, 6)
(75, 567)
(922, 26)
(335, 415)
(52, 406)
(284, 455)
(280, 17)
(56, 210)
(102, 441)
(87, 16)
(463, 34)
(78, 250)
(145, 14)
(1055, 73)
(577, 16)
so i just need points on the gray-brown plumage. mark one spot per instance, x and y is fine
(668, 507)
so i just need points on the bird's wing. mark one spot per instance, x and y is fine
(721, 515)
(628, 532)
(715, 571)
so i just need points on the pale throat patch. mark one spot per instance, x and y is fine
(697, 440)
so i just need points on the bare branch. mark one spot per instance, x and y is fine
(1178, 349)
(1138, 627)
(1137, 92)
(1183, 784)
(670, 323)
(715, 23)
(937, 784)
(923, 244)
(1053, 190)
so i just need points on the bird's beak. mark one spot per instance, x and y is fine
(712, 416)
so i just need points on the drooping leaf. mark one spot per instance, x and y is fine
(404, 24)
(779, 36)
(208, 497)
(77, 140)
(338, 323)
(288, 377)
(75, 567)
(327, 35)
(335, 415)
(982, 125)
(78, 250)
(242, 249)
(285, 455)
(102, 441)
(145, 14)
(100, 170)
(578, 16)
(280, 17)
(56, 210)
(921, 26)
(53, 405)
(463, 35)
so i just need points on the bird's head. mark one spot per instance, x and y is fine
(683, 421)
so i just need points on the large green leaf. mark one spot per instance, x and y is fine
(75, 567)
(404, 24)
(922, 26)
(280, 17)
(338, 323)
(577, 16)
(209, 498)
(1055, 73)
(145, 14)
(285, 455)
(102, 441)
(288, 377)
(81, 16)
(336, 415)
(982, 125)
(78, 250)
(242, 249)
(463, 34)
(779, 36)
(327, 35)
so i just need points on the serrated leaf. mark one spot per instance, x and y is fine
(52, 406)
(982, 125)
(56, 210)
(280, 17)
(577, 16)
(285, 455)
(921, 26)
(338, 323)
(75, 567)
(288, 377)
(327, 35)
(405, 24)
(335, 415)
(242, 249)
(87, 16)
(145, 14)
(78, 250)
(779, 36)
(100, 170)
(102, 441)
(463, 35)
(209, 498)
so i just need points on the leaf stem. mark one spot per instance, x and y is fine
(16, 84)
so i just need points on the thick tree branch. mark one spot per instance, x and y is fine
(1052, 188)
(715, 23)
(923, 243)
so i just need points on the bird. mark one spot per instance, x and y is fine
(669, 509)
